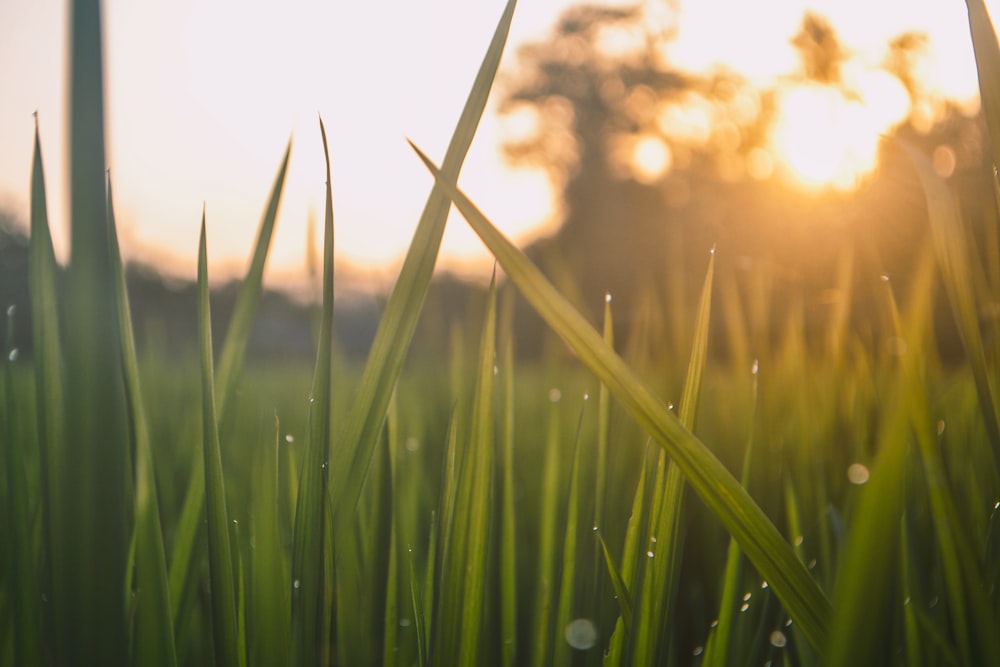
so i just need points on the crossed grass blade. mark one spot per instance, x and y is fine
(398, 322)
(655, 600)
(741, 516)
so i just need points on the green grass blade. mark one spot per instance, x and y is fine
(508, 528)
(548, 515)
(718, 647)
(620, 637)
(567, 583)
(153, 632)
(22, 579)
(987, 51)
(396, 327)
(741, 516)
(220, 562)
(478, 469)
(91, 522)
(656, 598)
(952, 252)
(187, 548)
(621, 591)
(310, 626)
(269, 590)
(43, 280)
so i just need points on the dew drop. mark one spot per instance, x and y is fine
(712, 251)
(857, 474)
(650, 554)
(996, 505)
(744, 607)
(412, 444)
(714, 624)
(496, 371)
(933, 602)
(652, 538)
(555, 395)
(595, 527)
(404, 622)
(12, 356)
(778, 639)
(586, 397)
(884, 278)
(581, 634)
(746, 598)
(296, 584)
(289, 438)
(788, 623)
(906, 600)
(10, 310)
(670, 406)
(940, 427)
(797, 541)
(698, 650)
(312, 399)
(755, 367)
(607, 297)
(811, 564)
(763, 585)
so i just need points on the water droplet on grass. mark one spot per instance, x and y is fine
(933, 602)
(746, 598)
(412, 444)
(940, 427)
(714, 624)
(296, 584)
(649, 554)
(404, 622)
(755, 367)
(289, 438)
(884, 278)
(778, 639)
(581, 634)
(857, 474)
(763, 585)
(607, 297)
(811, 564)
(698, 650)
(797, 541)
(744, 607)
(555, 395)
(11, 309)
(12, 356)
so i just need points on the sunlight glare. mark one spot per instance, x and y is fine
(651, 159)
(826, 137)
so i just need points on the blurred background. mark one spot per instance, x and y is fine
(622, 143)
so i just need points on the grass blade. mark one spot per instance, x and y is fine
(952, 251)
(49, 378)
(310, 626)
(269, 599)
(153, 633)
(396, 328)
(478, 470)
(220, 562)
(987, 51)
(187, 550)
(741, 516)
(508, 528)
(548, 514)
(21, 576)
(564, 610)
(90, 523)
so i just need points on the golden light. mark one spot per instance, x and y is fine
(828, 137)
(651, 159)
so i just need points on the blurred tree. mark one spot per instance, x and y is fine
(653, 166)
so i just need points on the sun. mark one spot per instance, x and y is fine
(828, 137)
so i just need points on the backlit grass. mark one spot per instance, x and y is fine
(835, 503)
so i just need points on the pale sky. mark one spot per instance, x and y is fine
(202, 96)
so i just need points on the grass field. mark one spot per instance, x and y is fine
(793, 501)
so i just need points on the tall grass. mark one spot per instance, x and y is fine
(476, 510)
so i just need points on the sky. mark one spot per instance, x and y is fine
(202, 97)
